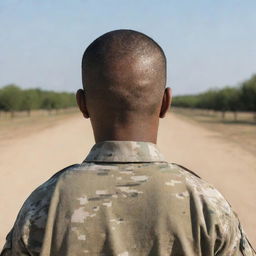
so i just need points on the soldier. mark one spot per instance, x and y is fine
(125, 199)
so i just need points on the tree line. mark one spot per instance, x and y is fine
(13, 98)
(240, 98)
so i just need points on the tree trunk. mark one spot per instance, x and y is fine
(235, 115)
(12, 114)
(223, 114)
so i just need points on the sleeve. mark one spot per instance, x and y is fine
(222, 231)
(8, 245)
(16, 241)
(235, 242)
(244, 244)
(14, 246)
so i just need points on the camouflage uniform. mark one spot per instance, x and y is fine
(126, 200)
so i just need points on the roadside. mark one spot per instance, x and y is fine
(241, 131)
(22, 124)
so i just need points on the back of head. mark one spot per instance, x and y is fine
(124, 73)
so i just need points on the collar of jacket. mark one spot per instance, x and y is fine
(124, 151)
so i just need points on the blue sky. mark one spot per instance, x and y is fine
(208, 43)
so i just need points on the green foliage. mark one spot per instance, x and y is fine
(31, 99)
(12, 98)
(234, 99)
(186, 101)
(248, 94)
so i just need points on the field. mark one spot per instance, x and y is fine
(23, 124)
(240, 129)
(34, 148)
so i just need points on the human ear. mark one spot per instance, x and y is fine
(166, 102)
(81, 102)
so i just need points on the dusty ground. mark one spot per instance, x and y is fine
(241, 131)
(25, 162)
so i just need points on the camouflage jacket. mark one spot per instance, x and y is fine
(126, 200)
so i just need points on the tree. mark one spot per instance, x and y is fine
(31, 100)
(11, 98)
(248, 95)
(207, 100)
(234, 100)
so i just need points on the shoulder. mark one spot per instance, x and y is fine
(198, 190)
(205, 192)
(30, 223)
(41, 196)
(212, 212)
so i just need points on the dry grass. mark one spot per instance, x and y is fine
(23, 124)
(241, 131)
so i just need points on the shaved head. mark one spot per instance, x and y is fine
(124, 94)
(124, 71)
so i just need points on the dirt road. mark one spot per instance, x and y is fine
(27, 162)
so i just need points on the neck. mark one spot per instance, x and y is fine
(139, 131)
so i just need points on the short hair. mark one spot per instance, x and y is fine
(127, 69)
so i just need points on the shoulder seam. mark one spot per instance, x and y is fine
(63, 170)
(187, 170)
